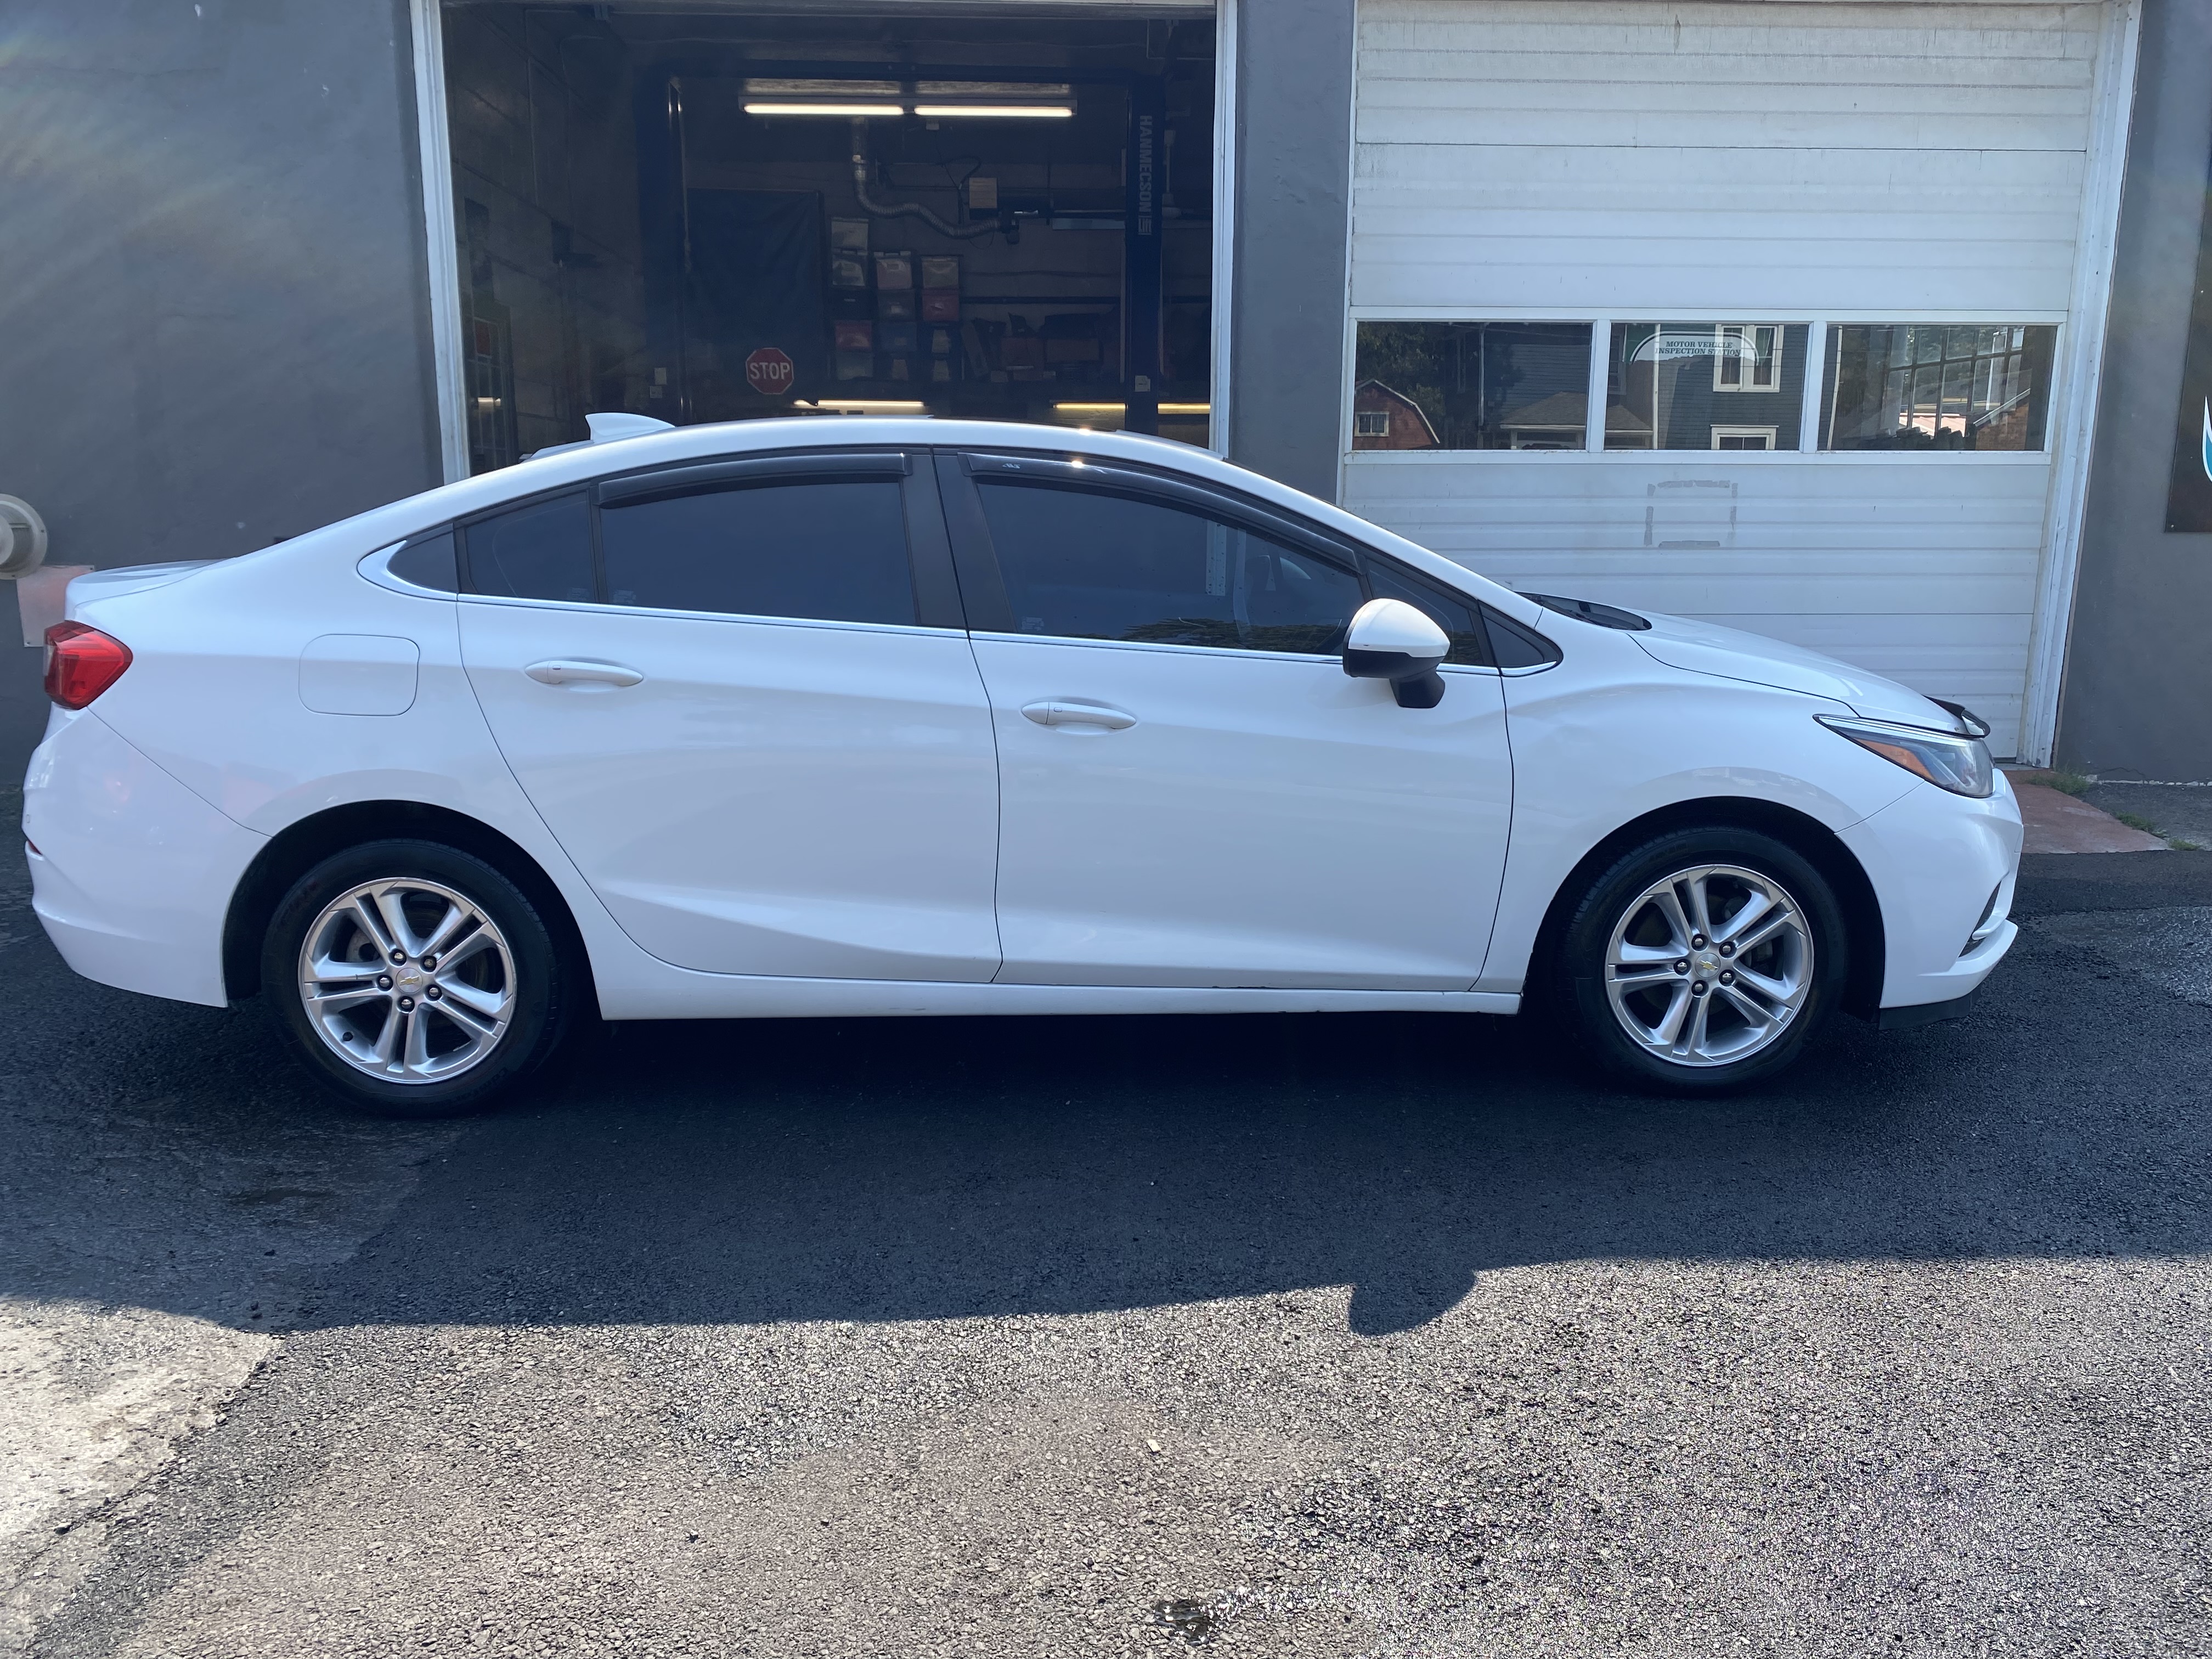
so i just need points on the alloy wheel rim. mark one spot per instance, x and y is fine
(407, 980)
(1709, 965)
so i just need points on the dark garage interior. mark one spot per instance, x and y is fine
(726, 215)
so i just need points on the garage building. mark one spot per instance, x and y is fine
(1788, 314)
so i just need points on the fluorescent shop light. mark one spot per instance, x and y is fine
(964, 112)
(1000, 93)
(784, 90)
(824, 109)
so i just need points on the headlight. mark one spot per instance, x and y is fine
(1961, 765)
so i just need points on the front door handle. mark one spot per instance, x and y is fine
(1058, 712)
(571, 670)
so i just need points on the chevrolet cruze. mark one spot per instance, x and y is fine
(877, 717)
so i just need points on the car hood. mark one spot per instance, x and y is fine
(1703, 648)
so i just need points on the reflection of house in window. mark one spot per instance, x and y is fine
(1706, 385)
(1746, 357)
(1385, 419)
(1625, 428)
(1743, 437)
(1554, 423)
(1562, 422)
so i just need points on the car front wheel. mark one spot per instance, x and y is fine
(1703, 960)
(413, 979)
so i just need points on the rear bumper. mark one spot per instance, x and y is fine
(133, 872)
(1935, 859)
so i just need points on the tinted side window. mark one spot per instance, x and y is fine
(1517, 646)
(428, 561)
(1457, 615)
(832, 551)
(541, 551)
(1111, 567)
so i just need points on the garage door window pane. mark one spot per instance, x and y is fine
(831, 551)
(1471, 385)
(541, 551)
(1109, 567)
(1727, 386)
(1936, 386)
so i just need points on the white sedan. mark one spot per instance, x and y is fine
(853, 717)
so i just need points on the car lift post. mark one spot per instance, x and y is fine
(1143, 271)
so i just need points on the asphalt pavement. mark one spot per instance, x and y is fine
(1373, 1335)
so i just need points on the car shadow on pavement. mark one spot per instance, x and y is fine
(893, 1169)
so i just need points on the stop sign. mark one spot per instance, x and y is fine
(769, 373)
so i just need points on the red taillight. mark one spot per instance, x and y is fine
(81, 663)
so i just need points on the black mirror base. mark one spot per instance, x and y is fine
(1422, 691)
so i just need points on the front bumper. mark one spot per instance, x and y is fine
(133, 873)
(1934, 858)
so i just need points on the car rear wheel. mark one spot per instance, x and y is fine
(1703, 960)
(415, 979)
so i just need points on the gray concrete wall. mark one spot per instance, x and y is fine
(2138, 693)
(1293, 161)
(213, 326)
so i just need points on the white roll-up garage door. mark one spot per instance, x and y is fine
(1845, 172)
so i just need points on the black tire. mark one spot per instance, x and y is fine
(1581, 972)
(517, 965)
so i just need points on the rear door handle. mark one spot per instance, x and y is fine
(1058, 712)
(571, 670)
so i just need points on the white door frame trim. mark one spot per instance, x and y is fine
(1348, 365)
(1224, 220)
(440, 240)
(2080, 366)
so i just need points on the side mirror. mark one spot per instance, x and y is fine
(1389, 640)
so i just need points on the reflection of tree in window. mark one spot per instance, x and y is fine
(1937, 385)
(1471, 385)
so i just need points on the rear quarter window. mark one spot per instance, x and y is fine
(540, 550)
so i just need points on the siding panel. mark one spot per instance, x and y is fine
(1643, 133)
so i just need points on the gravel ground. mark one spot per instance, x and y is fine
(1328, 1336)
